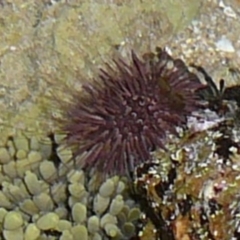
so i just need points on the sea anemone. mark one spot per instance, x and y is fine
(126, 112)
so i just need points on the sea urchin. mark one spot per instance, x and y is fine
(127, 111)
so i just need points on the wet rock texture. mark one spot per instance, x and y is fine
(194, 190)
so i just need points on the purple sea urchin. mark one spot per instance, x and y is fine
(126, 112)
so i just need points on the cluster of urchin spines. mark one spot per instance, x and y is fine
(127, 111)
